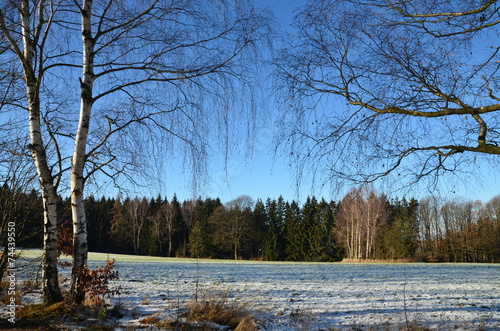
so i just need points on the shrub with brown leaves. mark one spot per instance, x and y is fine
(95, 284)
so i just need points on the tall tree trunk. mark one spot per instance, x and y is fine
(170, 241)
(50, 279)
(236, 250)
(80, 246)
(159, 235)
(51, 290)
(138, 240)
(351, 239)
(50, 286)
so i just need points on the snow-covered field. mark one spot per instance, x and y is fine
(317, 296)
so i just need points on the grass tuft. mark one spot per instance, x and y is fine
(42, 315)
(215, 307)
(41, 312)
(152, 319)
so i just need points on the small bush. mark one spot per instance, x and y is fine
(95, 284)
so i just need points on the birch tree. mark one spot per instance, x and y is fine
(361, 215)
(349, 224)
(405, 90)
(376, 217)
(153, 57)
(26, 28)
(137, 211)
(166, 224)
(150, 79)
(158, 220)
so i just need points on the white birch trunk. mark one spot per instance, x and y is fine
(138, 239)
(80, 247)
(236, 250)
(351, 238)
(50, 286)
(170, 229)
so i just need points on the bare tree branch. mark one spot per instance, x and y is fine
(371, 90)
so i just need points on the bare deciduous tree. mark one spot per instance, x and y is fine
(26, 28)
(403, 90)
(165, 224)
(154, 56)
(458, 219)
(361, 214)
(431, 229)
(159, 226)
(137, 211)
(232, 223)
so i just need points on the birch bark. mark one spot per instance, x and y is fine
(32, 24)
(80, 246)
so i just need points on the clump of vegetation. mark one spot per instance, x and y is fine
(95, 284)
(215, 307)
(7, 294)
(40, 314)
(59, 316)
(152, 319)
(414, 326)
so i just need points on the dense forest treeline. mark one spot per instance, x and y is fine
(363, 225)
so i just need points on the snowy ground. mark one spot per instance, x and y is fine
(317, 296)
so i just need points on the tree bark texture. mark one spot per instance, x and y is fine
(80, 246)
(31, 27)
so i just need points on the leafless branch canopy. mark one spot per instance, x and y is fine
(383, 88)
(166, 71)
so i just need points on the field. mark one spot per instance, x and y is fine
(315, 296)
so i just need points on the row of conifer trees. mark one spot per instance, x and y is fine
(363, 225)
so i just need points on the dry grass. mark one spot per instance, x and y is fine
(414, 326)
(215, 307)
(40, 314)
(152, 319)
(247, 324)
(8, 293)
(146, 301)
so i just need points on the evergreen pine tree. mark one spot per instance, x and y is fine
(260, 227)
(272, 235)
(294, 234)
(331, 250)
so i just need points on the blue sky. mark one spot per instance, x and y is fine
(261, 176)
(266, 175)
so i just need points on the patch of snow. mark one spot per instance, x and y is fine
(312, 296)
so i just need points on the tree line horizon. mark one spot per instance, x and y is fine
(363, 225)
